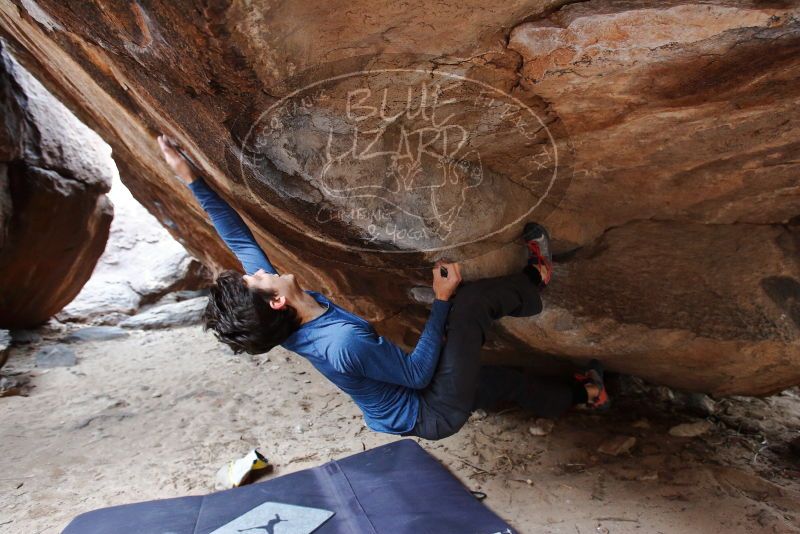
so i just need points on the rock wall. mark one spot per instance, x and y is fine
(54, 214)
(658, 141)
(141, 263)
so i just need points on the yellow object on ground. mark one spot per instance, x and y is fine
(237, 472)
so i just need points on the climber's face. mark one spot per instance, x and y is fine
(278, 287)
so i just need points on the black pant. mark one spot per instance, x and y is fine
(460, 384)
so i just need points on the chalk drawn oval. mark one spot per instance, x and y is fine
(409, 159)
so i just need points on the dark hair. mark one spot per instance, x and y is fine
(243, 319)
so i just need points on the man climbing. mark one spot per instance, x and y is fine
(429, 392)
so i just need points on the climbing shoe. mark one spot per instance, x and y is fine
(540, 259)
(594, 376)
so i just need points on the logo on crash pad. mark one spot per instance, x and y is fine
(421, 157)
(276, 518)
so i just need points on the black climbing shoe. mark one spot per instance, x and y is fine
(539, 256)
(594, 376)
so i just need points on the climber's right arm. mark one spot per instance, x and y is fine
(229, 225)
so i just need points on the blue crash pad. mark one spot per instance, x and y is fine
(393, 489)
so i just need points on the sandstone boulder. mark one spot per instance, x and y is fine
(95, 333)
(168, 315)
(5, 346)
(658, 141)
(140, 264)
(54, 215)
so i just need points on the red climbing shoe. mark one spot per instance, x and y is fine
(594, 376)
(539, 256)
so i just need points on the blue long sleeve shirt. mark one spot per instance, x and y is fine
(382, 379)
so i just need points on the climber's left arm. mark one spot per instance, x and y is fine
(231, 228)
(229, 225)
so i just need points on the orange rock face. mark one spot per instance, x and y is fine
(54, 217)
(657, 141)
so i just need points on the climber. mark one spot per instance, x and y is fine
(429, 392)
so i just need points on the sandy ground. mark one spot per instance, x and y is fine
(155, 414)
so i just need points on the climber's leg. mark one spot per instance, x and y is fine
(540, 257)
(447, 402)
(542, 396)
